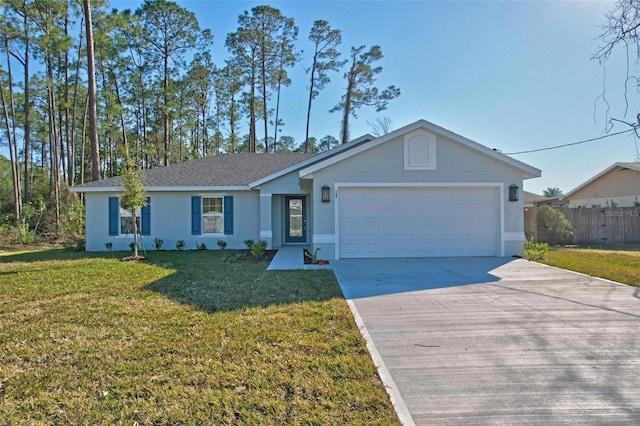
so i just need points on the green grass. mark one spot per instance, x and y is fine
(188, 338)
(618, 265)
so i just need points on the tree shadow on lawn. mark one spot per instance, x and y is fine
(209, 280)
(216, 281)
(49, 254)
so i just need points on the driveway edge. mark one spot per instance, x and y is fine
(390, 386)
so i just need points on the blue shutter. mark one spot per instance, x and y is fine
(114, 215)
(196, 215)
(145, 218)
(228, 215)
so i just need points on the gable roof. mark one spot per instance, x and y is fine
(527, 170)
(614, 168)
(224, 171)
(319, 157)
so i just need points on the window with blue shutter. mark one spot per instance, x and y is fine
(145, 218)
(196, 215)
(228, 214)
(114, 215)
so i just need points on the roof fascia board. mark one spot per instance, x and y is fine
(312, 160)
(528, 171)
(162, 188)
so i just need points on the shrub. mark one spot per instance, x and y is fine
(222, 244)
(132, 245)
(554, 224)
(258, 249)
(158, 243)
(535, 251)
(202, 246)
(180, 245)
(249, 244)
(108, 245)
(26, 235)
(312, 255)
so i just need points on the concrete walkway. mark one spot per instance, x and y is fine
(288, 257)
(291, 257)
(498, 341)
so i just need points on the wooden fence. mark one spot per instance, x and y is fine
(608, 225)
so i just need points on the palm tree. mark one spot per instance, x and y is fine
(552, 192)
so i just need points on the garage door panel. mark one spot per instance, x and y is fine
(399, 222)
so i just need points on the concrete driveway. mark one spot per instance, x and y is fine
(498, 341)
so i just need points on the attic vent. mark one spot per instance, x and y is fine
(420, 150)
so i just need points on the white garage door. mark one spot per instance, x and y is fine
(417, 222)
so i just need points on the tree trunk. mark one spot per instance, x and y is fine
(14, 163)
(313, 81)
(347, 110)
(53, 141)
(122, 121)
(264, 104)
(91, 77)
(135, 234)
(72, 162)
(275, 131)
(165, 111)
(84, 139)
(27, 115)
(252, 113)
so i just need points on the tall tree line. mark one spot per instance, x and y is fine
(84, 87)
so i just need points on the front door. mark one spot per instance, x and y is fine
(296, 220)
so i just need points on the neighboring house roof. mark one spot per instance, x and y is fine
(528, 171)
(229, 171)
(614, 168)
(530, 199)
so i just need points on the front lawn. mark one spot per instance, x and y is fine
(617, 265)
(188, 338)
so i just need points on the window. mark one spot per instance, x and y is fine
(126, 221)
(212, 215)
(121, 221)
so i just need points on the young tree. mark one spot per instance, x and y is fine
(325, 58)
(361, 91)
(133, 198)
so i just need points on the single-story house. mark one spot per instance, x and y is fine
(418, 191)
(534, 200)
(618, 185)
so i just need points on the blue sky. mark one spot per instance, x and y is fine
(511, 75)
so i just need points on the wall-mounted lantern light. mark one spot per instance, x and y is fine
(326, 194)
(513, 192)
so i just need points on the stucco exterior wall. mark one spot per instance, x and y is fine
(455, 164)
(620, 186)
(171, 221)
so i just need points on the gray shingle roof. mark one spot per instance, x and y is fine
(219, 170)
